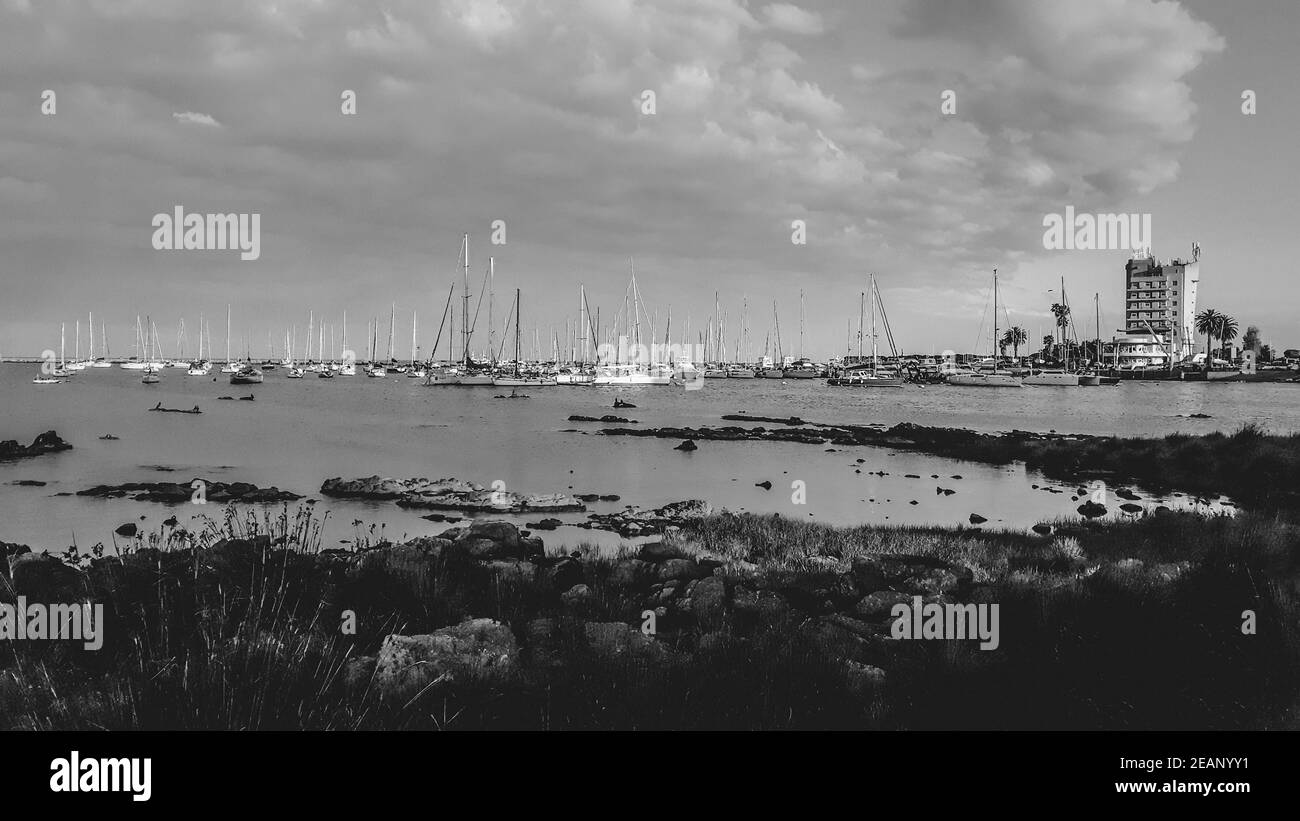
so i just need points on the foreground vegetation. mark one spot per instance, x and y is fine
(760, 622)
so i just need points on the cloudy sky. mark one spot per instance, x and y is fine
(527, 111)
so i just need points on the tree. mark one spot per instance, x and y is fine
(1048, 342)
(1227, 329)
(1015, 337)
(1207, 322)
(1251, 340)
(1265, 354)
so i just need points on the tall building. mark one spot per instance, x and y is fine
(1161, 297)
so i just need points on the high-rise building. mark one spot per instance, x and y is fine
(1161, 298)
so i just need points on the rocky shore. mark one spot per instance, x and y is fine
(449, 494)
(726, 621)
(175, 493)
(48, 442)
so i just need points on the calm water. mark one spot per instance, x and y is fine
(299, 432)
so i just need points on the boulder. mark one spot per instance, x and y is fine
(879, 604)
(708, 599)
(868, 574)
(481, 651)
(578, 599)
(681, 569)
(45, 578)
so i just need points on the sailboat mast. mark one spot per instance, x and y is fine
(137, 319)
(92, 337)
(995, 320)
(873, 322)
(464, 328)
(801, 356)
(517, 325)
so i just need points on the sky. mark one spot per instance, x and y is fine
(533, 113)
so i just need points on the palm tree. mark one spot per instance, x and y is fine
(1015, 337)
(1227, 329)
(1208, 323)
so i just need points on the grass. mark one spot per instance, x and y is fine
(1122, 625)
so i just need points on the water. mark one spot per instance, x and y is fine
(298, 433)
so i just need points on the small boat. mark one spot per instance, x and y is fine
(325, 374)
(519, 379)
(294, 373)
(151, 377)
(247, 375)
(739, 372)
(376, 372)
(46, 380)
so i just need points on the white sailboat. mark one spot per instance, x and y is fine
(992, 377)
(201, 366)
(1056, 377)
(230, 365)
(872, 375)
(151, 376)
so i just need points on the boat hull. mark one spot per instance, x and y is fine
(979, 380)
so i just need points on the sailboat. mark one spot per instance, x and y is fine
(137, 362)
(1057, 377)
(76, 364)
(520, 379)
(201, 366)
(231, 366)
(871, 375)
(988, 378)
(101, 362)
(151, 376)
(634, 373)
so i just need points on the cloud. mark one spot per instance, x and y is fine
(790, 18)
(474, 110)
(196, 118)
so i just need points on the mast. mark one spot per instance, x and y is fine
(464, 327)
(76, 356)
(345, 333)
(92, 337)
(492, 276)
(801, 356)
(873, 323)
(414, 315)
(392, 328)
(995, 320)
(1096, 302)
(862, 310)
(227, 332)
(517, 324)
(61, 327)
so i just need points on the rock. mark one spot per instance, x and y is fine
(48, 442)
(46, 579)
(563, 574)
(1092, 509)
(611, 640)
(879, 604)
(1129, 507)
(977, 519)
(680, 569)
(479, 650)
(868, 574)
(1042, 529)
(128, 530)
(765, 485)
(578, 599)
(632, 573)
(709, 602)
(492, 540)
(1125, 493)
(357, 674)
(863, 677)
(687, 445)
